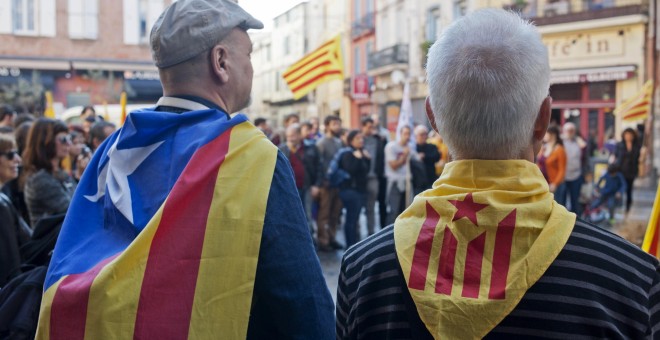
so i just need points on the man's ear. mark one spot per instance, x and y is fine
(219, 56)
(429, 114)
(543, 119)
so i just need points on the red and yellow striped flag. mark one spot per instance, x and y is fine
(322, 65)
(652, 237)
(637, 107)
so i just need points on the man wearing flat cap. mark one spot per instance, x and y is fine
(187, 222)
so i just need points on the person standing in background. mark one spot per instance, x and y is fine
(627, 157)
(428, 154)
(329, 201)
(575, 148)
(373, 144)
(554, 157)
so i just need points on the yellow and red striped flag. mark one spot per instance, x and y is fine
(50, 111)
(122, 102)
(470, 248)
(322, 65)
(652, 236)
(637, 107)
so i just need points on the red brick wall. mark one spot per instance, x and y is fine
(108, 45)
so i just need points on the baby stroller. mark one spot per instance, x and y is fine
(599, 208)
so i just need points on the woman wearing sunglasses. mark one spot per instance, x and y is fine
(48, 189)
(13, 230)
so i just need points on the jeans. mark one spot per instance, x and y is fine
(372, 195)
(571, 189)
(353, 202)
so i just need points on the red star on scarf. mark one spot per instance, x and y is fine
(467, 208)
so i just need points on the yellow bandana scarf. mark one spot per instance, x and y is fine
(472, 246)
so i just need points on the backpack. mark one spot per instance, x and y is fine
(336, 175)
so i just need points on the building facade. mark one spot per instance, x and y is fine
(296, 32)
(84, 51)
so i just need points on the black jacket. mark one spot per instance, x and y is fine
(358, 169)
(628, 161)
(13, 234)
(312, 163)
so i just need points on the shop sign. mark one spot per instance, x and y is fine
(585, 45)
(360, 86)
(141, 75)
(592, 75)
(10, 71)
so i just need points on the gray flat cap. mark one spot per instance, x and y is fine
(189, 27)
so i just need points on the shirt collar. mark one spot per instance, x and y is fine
(192, 103)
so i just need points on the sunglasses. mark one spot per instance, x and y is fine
(65, 139)
(10, 154)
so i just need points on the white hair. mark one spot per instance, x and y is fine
(488, 75)
(421, 129)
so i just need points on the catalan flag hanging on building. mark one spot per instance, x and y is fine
(322, 65)
(651, 243)
(469, 249)
(154, 223)
(639, 106)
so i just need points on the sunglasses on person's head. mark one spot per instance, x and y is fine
(10, 154)
(65, 139)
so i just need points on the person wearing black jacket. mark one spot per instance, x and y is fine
(13, 230)
(627, 157)
(307, 167)
(353, 191)
(375, 146)
(429, 155)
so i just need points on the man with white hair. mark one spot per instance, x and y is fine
(575, 147)
(487, 252)
(428, 154)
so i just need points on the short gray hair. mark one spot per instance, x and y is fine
(488, 76)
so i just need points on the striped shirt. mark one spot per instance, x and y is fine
(600, 286)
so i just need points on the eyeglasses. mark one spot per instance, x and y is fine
(10, 154)
(65, 139)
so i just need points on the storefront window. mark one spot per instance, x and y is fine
(560, 92)
(602, 90)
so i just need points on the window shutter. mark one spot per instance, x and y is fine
(47, 20)
(91, 19)
(154, 10)
(75, 18)
(5, 17)
(131, 23)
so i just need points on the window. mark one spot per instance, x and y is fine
(268, 52)
(278, 80)
(369, 50)
(356, 60)
(83, 19)
(287, 45)
(460, 8)
(139, 17)
(357, 6)
(370, 6)
(432, 23)
(24, 16)
(28, 17)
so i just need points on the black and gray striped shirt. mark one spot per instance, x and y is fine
(600, 286)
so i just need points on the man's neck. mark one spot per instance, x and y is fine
(210, 98)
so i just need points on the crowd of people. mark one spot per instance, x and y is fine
(41, 162)
(567, 162)
(378, 176)
(192, 223)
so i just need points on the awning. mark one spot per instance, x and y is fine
(63, 64)
(588, 75)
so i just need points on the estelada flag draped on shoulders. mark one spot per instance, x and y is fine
(162, 236)
(471, 246)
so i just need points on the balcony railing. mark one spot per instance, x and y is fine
(547, 12)
(364, 25)
(397, 54)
